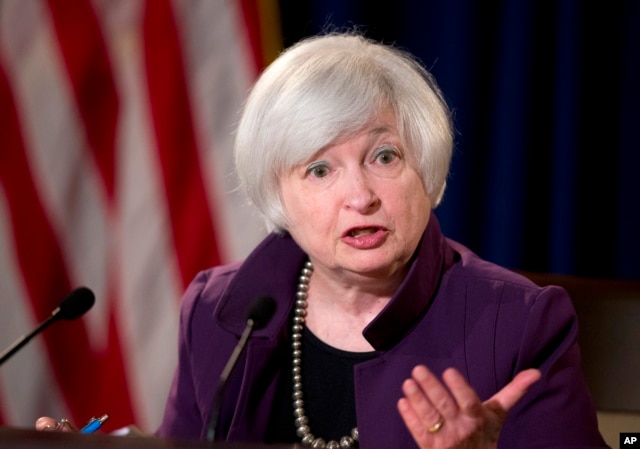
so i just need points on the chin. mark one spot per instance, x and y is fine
(377, 267)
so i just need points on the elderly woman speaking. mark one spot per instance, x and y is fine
(386, 334)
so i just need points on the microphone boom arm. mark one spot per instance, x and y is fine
(18, 344)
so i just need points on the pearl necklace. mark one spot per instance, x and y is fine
(301, 420)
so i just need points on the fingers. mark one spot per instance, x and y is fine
(436, 394)
(46, 423)
(451, 410)
(427, 405)
(428, 393)
(465, 397)
(413, 422)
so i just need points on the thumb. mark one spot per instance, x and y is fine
(514, 390)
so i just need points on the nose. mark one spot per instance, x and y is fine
(360, 194)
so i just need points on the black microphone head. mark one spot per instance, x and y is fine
(75, 304)
(261, 311)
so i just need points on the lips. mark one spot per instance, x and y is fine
(365, 237)
(362, 231)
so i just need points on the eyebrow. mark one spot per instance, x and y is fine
(375, 132)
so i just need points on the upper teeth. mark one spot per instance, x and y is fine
(359, 232)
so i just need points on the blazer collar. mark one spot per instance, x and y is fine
(431, 259)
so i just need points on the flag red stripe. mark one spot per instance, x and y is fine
(58, 54)
(89, 71)
(3, 420)
(191, 222)
(251, 16)
(85, 56)
(38, 253)
(77, 369)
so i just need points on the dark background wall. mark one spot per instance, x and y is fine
(546, 107)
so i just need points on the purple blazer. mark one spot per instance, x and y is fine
(452, 310)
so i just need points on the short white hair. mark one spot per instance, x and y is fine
(328, 87)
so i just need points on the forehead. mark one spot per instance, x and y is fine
(382, 124)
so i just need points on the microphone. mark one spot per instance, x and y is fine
(74, 305)
(259, 314)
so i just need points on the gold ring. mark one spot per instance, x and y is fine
(437, 426)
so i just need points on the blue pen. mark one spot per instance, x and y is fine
(94, 424)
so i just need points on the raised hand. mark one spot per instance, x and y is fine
(450, 415)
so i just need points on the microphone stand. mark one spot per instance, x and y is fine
(260, 313)
(215, 410)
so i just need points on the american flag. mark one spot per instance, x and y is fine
(116, 173)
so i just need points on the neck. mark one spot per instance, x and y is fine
(338, 312)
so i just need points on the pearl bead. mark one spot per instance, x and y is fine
(301, 420)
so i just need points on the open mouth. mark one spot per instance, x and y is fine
(359, 232)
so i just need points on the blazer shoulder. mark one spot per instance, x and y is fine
(203, 293)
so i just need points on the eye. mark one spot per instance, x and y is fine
(318, 169)
(386, 154)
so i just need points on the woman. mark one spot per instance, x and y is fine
(386, 334)
(344, 147)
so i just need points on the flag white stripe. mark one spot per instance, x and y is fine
(121, 247)
(216, 87)
(63, 170)
(22, 393)
(149, 280)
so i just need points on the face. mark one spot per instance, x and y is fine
(358, 207)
